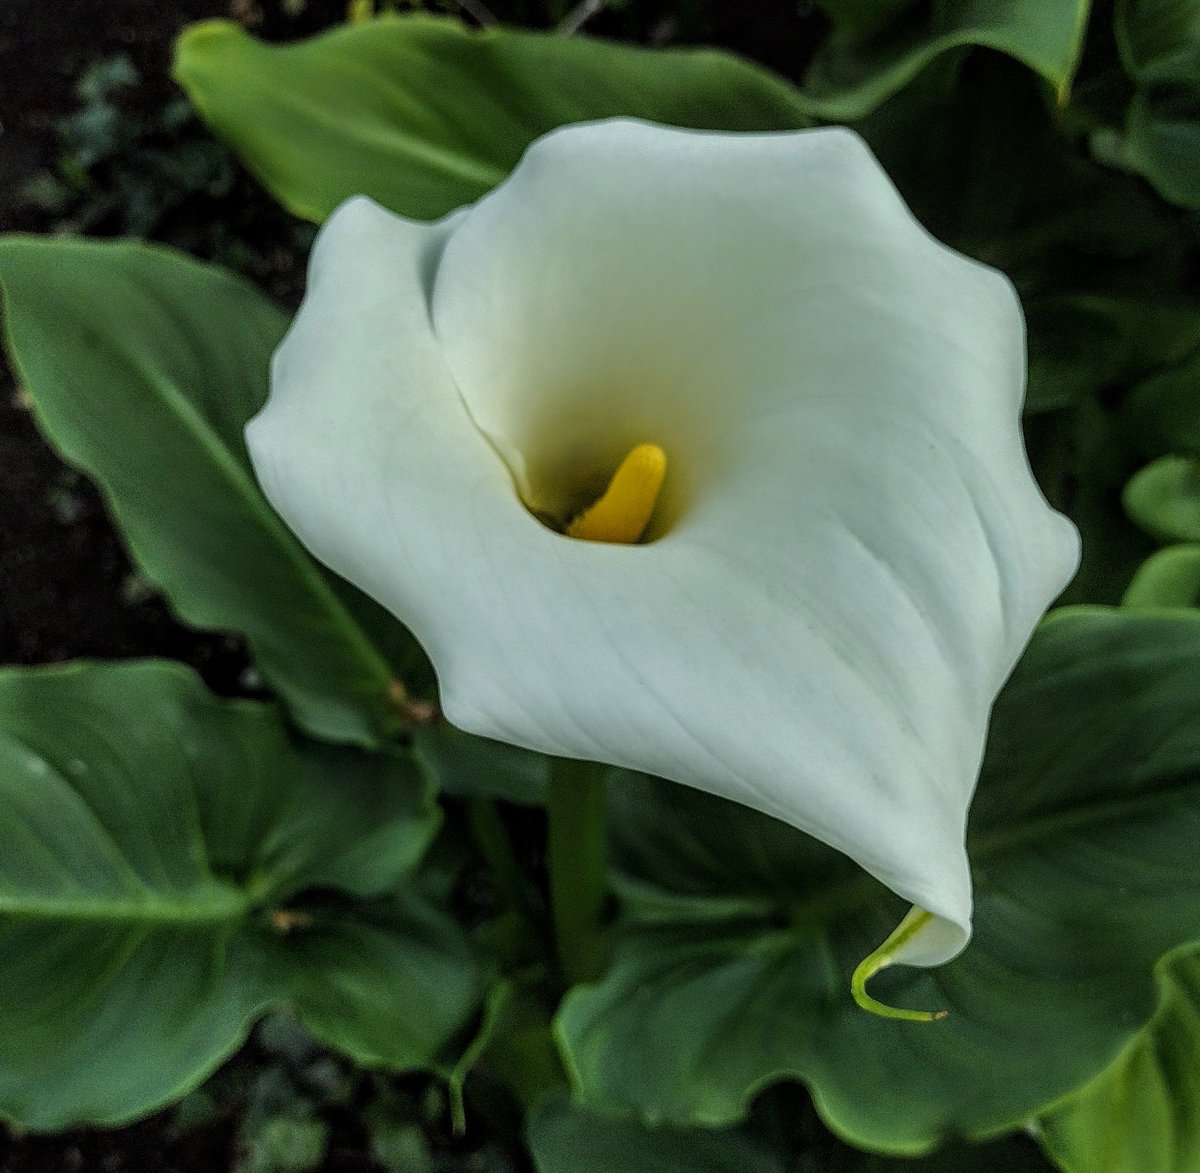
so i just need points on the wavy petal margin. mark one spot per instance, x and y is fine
(851, 550)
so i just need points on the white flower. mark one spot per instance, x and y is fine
(849, 550)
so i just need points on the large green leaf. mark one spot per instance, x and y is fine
(424, 116)
(171, 865)
(143, 367)
(733, 958)
(853, 73)
(565, 1138)
(1142, 1115)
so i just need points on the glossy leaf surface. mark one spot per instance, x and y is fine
(1143, 1114)
(143, 367)
(565, 1138)
(739, 936)
(424, 116)
(171, 865)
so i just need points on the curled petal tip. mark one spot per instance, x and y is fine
(880, 959)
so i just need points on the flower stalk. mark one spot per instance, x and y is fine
(577, 862)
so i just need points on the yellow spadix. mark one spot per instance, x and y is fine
(623, 511)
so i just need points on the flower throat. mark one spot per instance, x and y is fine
(622, 512)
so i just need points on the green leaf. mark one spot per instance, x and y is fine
(1158, 40)
(390, 982)
(424, 116)
(1012, 1154)
(1169, 578)
(143, 367)
(1159, 43)
(738, 938)
(1142, 1115)
(1164, 499)
(1163, 142)
(171, 865)
(514, 1046)
(565, 1138)
(852, 74)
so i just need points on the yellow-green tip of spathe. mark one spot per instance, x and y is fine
(884, 956)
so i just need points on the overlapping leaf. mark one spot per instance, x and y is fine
(855, 71)
(1143, 1114)
(565, 1138)
(424, 116)
(733, 962)
(143, 367)
(171, 865)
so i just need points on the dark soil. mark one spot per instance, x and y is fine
(148, 1147)
(66, 586)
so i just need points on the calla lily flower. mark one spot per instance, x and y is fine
(694, 454)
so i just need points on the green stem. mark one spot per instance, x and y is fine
(577, 852)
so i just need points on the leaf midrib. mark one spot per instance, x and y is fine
(225, 464)
(216, 904)
(230, 469)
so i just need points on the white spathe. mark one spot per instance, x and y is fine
(850, 552)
